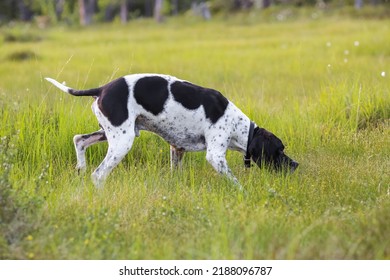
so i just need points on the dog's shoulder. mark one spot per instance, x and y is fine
(192, 96)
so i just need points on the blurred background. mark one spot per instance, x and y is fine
(86, 12)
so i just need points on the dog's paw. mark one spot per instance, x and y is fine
(81, 169)
(97, 180)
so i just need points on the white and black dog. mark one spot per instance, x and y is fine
(189, 117)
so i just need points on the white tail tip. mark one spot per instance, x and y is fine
(58, 84)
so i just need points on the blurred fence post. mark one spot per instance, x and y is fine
(358, 4)
(124, 11)
(157, 10)
(86, 10)
(201, 9)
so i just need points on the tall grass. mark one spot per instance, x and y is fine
(317, 84)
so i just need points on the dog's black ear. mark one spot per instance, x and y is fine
(256, 147)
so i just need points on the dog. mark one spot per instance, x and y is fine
(189, 117)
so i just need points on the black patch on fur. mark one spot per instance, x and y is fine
(192, 96)
(113, 101)
(151, 93)
(102, 136)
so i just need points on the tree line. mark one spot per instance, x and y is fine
(86, 12)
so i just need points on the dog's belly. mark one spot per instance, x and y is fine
(189, 137)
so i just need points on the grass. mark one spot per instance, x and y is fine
(317, 84)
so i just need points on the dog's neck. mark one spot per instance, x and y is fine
(247, 157)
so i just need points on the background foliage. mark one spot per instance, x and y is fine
(68, 11)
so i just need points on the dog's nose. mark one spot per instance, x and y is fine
(293, 166)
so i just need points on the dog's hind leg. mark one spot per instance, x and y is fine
(176, 157)
(82, 142)
(119, 144)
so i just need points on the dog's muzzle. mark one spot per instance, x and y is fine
(293, 166)
(287, 164)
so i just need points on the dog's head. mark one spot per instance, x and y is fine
(268, 150)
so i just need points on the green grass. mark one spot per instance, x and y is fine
(317, 84)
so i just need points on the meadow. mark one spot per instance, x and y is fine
(321, 84)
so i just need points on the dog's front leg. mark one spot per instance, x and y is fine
(82, 142)
(217, 158)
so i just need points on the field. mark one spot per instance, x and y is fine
(322, 85)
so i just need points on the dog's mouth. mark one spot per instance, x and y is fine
(287, 164)
(293, 166)
(284, 165)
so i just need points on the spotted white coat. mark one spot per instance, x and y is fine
(190, 118)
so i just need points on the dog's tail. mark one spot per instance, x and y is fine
(89, 92)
